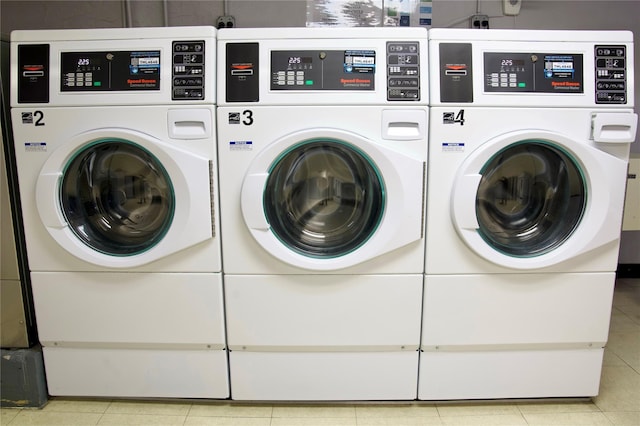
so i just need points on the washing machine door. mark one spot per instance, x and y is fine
(533, 199)
(326, 199)
(119, 198)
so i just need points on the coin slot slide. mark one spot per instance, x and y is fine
(242, 72)
(33, 73)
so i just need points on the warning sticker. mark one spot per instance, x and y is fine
(241, 145)
(35, 146)
(453, 147)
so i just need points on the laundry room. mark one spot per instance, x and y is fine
(318, 212)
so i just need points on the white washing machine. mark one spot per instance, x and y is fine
(322, 140)
(528, 150)
(115, 144)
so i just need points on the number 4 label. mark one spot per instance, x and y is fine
(453, 117)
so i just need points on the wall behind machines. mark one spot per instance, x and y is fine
(534, 14)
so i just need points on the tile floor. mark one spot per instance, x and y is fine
(617, 404)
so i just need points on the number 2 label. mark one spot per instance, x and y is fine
(39, 118)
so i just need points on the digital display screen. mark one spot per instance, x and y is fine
(511, 62)
(293, 60)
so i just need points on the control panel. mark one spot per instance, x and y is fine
(533, 72)
(578, 71)
(113, 66)
(323, 70)
(109, 71)
(112, 71)
(611, 74)
(318, 70)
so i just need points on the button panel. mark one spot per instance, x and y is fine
(611, 74)
(403, 71)
(188, 70)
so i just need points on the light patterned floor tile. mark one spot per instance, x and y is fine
(612, 360)
(488, 420)
(159, 408)
(141, 419)
(632, 311)
(399, 421)
(619, 390)
(76, 406)
(410, 410)
(311, 421)
(624, 418)
(622, 322)
(49, 418)
(627, 292)
(230, 410)
(228, 421)
(317, 411)
(8, 414)
(627, 346)
(558, 407)
(567, 419)
(478, 409)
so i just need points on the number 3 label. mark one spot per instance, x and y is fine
(247, 117)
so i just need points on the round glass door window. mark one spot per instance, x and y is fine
(117, 198)
(324, 198)
(530, 200)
